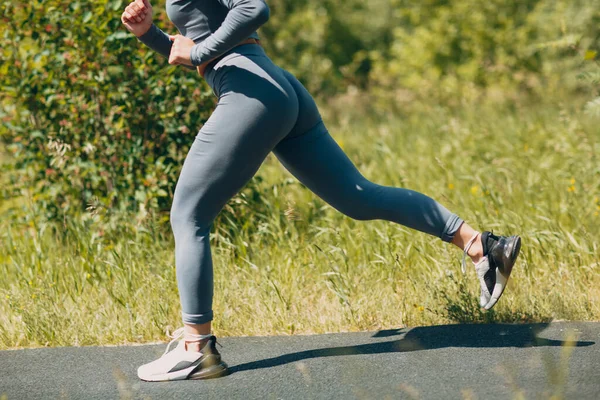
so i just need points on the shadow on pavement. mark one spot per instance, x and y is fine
(427, 338)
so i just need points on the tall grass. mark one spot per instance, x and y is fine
(295, 265)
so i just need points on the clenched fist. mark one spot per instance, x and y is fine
(137, 17)
(180, 52)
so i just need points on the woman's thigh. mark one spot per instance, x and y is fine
(317, 161)
(225, 154)
(313, 156)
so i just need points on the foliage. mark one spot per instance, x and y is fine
(89, 113)
(92, 118)
(326, 43)
(450, 50)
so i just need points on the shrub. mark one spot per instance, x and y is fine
(93, 116)
(457, 49)
(89, 113)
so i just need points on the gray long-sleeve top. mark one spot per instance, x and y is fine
(215, 26)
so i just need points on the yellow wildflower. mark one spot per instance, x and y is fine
(590, 55)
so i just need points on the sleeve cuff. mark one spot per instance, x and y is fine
(197, 56)
(149, 35)
(157, 40)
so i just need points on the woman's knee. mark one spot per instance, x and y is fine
(187, 217)
(360, 202)
(357, 213)
(178, 217)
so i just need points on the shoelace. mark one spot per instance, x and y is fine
(178, 333)
(467, 247)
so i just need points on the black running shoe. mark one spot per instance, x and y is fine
(180, 364)
(494, 269)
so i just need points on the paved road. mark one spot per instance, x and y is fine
(439, 362)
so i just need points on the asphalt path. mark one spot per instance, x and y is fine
(501, 361)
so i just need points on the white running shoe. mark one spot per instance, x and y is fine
(494, 269)
(180, 364)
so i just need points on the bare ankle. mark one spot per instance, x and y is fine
(476, 250)
(195, 345)
(196, 335)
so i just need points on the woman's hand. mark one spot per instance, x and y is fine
(180, 52)
(137, 17)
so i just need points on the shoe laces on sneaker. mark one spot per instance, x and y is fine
(178, 333)
(467, 247)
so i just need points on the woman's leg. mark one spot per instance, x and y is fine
(320, 164)
(461, 239)
(311, 154)
(252, 116)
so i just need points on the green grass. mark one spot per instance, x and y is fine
(286, 262)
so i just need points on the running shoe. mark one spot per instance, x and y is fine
(180, 364)
(494, 269)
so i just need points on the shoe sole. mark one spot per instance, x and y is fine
(211, 368)
(502, 277)
(213, 371)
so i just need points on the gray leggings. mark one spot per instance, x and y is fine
(263, 108)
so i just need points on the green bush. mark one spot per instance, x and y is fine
(325, 43)
(461, 49)
(94, 119)
(89, 113)
(91, 116)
